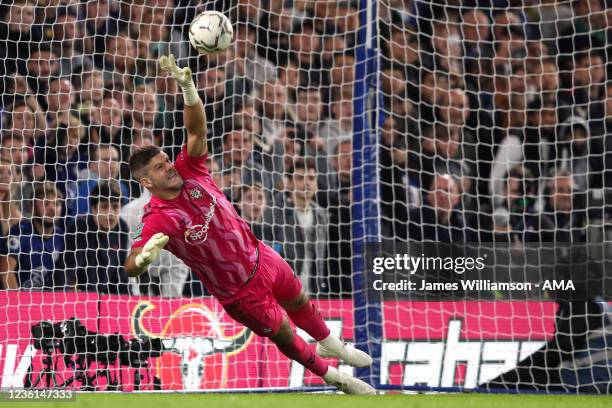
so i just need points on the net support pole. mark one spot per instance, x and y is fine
(368, 118)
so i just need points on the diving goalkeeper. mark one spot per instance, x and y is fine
(189, 216)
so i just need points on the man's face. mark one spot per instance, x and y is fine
(160, 174)
(107, 165)
(145, 107)
(121, 52)
(106, 213)
(60, 96)
(42, 64)
(252, 204)
(48, 209)
(23, 121)
(475, 26)
(240, 146)
(305, 183)
(454, 108)
(65, 28)
(110, 113)
(15, 150)
(275, 100)
(343, 162)
(343, 70)
(6, 178)
(447, 145)
(22, 16)
(561, 194)
(93, 88)
(444, 195)
(393, 82)
(309, 106)
(213, 82)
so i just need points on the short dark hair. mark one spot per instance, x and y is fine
(44, 189)
(140, 157)
(105, 191)
(303, 163)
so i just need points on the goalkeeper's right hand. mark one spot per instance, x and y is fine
(151, 250)
(181, 75)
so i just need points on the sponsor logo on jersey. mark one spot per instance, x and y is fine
(196, 234)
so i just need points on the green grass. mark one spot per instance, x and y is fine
(331, 401)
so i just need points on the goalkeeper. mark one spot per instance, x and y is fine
(189, 215)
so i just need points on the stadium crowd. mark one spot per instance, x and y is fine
(496, 129)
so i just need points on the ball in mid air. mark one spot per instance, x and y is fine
(210, 32)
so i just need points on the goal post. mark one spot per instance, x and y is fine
(367, 122)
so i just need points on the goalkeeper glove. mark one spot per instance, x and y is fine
(151, 250)
(182, 77)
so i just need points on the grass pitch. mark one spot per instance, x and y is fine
(297, 400)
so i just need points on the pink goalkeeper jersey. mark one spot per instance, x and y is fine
(204, 229)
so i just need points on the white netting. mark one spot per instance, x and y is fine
(502, 110)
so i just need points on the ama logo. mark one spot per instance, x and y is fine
(196, 346)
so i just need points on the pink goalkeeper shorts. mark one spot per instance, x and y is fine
(256, 303)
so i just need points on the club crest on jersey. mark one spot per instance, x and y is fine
(195, 194)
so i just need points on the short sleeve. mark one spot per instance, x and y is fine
(196, 165)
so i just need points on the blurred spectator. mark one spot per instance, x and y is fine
(42, 64)
(516, 218)
(237, 163)
(10, 211)
(103, 165)
(17, 32)
(438, 219)
(106, 121)
(306, 50)
(310, 115)
(15, 151)
(60, 99)
(120, 60)
(26, 119)
(564, 208)
(34, 245)
(290, 76)
(145, 108)
(89, 84)
(252, 205)
(66, 32)
(532, 145)
(340, 226)
(340, 127)
(448, 147)
(275, 112)
(99, 267)
(305, 227)
(59, 156)
(575, 153)
(247, 62)
(100, 22)
(583, 83)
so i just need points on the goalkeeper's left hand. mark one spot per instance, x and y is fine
(181, 75)
(151, 250)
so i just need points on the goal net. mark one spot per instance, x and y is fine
(386, 149)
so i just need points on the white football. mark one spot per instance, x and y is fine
(210, 32)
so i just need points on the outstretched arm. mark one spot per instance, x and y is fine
(194, 115)
(140, 258)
